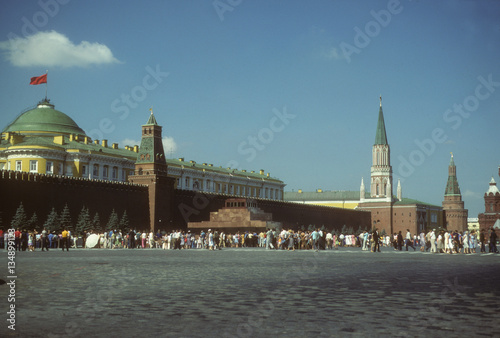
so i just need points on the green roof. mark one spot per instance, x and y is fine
(151, 120)
(452, 187)
(45, 141)
(44, 118)
(381, 136)
(406, 201)
(221, 170)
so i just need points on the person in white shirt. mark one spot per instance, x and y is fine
(409, 240)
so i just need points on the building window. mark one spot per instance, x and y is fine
(33, 166)
(105, 170)
(60, 169)
(124, 175)
(84, 170)
(187, 183)
(114, 173)
(49, 168)
(19, 165)
(96, 170)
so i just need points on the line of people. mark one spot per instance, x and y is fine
(25, 240)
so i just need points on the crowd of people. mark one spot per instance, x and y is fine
(442, 241)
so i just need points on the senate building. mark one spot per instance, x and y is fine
(47, 141)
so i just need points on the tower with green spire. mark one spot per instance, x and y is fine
(381, 170)
(455, 214)
(151, 169)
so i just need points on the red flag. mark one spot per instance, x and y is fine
(38, 80)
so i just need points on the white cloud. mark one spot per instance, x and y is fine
(471, 194)
(129, 142)
(50, 49)
(169, 144)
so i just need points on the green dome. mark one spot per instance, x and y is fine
(44, 118)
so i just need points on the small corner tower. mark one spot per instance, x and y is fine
(151, 170)
(491, 213)
(362, 190)
(453, 206)
(381, 170)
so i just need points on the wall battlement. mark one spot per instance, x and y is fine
(58, 179)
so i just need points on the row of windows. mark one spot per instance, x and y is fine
(228, 188)
(49, 169)
(434, 216)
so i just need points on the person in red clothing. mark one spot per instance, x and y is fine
(17, 239)
(2, 242)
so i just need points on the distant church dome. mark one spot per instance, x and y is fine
(44, 119)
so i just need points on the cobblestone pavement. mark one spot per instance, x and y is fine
(252, 293)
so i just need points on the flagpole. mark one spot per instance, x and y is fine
(46, 85)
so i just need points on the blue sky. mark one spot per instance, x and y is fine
(291, 87)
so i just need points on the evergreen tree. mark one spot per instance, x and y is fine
(96, 223)
(344, 229)
(113, 221)
(20, 219)
(33, 223)
(65, 219)
(52, 222)
(84, 223)
(124, 222)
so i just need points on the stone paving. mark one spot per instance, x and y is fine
(251, 293)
